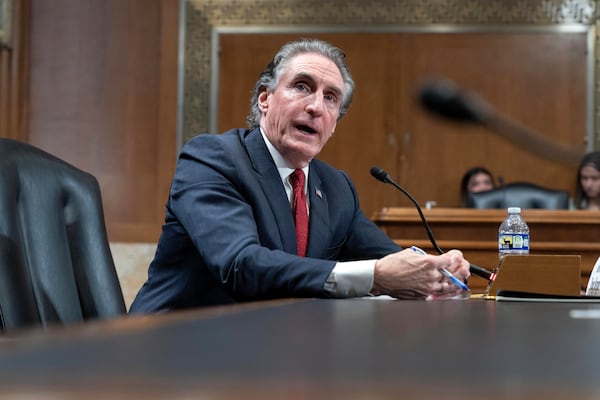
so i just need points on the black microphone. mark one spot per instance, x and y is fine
(384, 177)
(444, 98)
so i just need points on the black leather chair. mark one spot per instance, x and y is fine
(520, 194)
(55, 261)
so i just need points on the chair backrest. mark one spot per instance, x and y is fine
(520, 194)
(56, 266)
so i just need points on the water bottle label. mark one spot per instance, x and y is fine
(513, 241)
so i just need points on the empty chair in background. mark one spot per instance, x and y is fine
(520, 194)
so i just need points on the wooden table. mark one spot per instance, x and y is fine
(317, 349)
(475, 232)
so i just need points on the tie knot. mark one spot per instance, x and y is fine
(297, 179)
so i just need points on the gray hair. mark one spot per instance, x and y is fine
(269, 78)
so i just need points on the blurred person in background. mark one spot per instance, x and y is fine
(587, 193)
(476, 179)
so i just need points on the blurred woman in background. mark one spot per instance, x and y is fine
(587, 194)
(476, 179)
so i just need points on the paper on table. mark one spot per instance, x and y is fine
(593, 286)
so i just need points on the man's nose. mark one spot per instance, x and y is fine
(315, 104)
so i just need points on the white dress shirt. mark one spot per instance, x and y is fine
(348, 278)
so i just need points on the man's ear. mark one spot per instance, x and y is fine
(263, 100)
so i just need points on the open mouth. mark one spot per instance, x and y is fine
(306, 129)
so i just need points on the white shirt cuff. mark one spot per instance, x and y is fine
(351, 279)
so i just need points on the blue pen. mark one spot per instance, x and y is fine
(444, 271)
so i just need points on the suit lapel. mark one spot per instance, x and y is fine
(269, 180)
(318, 236)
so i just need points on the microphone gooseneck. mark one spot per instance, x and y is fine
(381, 175)
(384, 177)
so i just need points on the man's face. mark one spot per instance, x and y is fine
(300, 115)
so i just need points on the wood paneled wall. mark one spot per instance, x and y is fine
(538, 78)
(14, 75)
(102, 89)
(95, 82)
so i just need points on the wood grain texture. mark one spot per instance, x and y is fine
(103, 97)
(14, 64)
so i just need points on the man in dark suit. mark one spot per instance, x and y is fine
(230, 232)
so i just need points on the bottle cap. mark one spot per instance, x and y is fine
(514, 210)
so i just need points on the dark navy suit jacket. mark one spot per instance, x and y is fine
(229, 231)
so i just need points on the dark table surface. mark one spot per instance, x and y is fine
(356, 349)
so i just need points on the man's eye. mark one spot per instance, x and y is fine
(331, 98)
(301, 86)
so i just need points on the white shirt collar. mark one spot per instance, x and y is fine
(282, 165)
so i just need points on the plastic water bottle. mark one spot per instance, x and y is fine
(513, 235)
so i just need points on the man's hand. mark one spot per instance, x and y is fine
(409, 275)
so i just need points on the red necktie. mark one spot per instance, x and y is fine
(300, 211)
